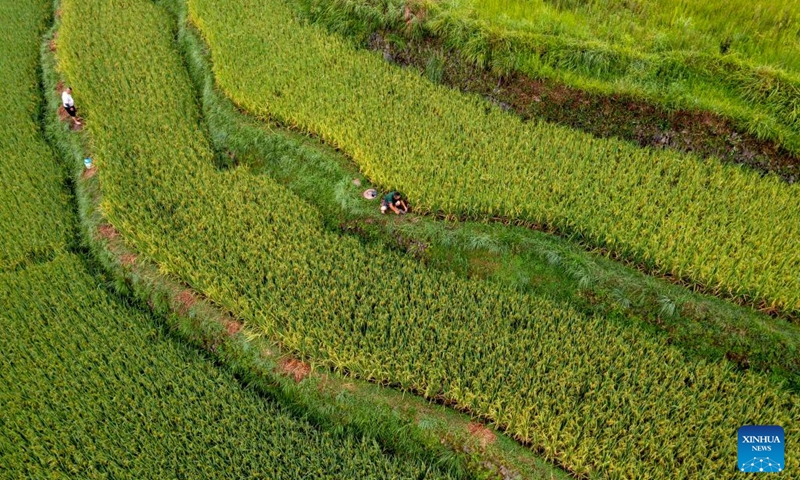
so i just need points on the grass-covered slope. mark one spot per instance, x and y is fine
(590, 395)
(763, 31)
(35, 218)
(92, 388)
(743, 65)
(723, 226)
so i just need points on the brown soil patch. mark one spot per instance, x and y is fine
(483, 434)
(233, 327)
(62, 114)
(128, 259)
(294, 368)
(88, 173)
(107, 231)
(740, 359)
(185, 301)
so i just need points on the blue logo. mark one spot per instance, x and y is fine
(761, 448)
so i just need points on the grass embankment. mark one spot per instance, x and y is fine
(762, 32)
(530, 261)
(742, 65)
(91, 387)
(723, 226)
(630, 117)
(35, 217)
(590, 395)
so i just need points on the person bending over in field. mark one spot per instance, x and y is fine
(394, 201)
(69, 104)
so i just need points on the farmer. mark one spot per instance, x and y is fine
(69, 104)
(395, 202)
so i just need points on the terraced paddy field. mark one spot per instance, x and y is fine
(458, 155)
(35, 216)
(736, 60)
(251, 216)
(94, 387)
(256, 248)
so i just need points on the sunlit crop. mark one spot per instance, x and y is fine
(722, 226)
(90, 386)
(592, 395)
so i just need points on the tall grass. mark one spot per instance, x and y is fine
(764, 32)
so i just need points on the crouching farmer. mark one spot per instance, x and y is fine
(394, 201)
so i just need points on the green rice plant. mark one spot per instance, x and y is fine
(35, 218)
(597, 398)
(712, 224)
(92, 389)
(318, 175)
(680, 56)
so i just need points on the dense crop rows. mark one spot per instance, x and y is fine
(744, 66)
(591, 395)
(91, 388)
(721, 225)
(34, 212)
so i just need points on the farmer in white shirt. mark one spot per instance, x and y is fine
(69, 104)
